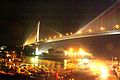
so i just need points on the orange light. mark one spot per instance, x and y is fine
(54, 36)
(60, 35)
(71, 33)
(102, 28)
(71, 49)
(67, 34)
(90, 30)
(117, 26)
(49, 37)
(45, 39)
(104, 72)
(79, 32)
(71, 52)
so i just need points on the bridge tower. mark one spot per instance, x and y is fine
(37, 39)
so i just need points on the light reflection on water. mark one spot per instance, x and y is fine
(59, 65)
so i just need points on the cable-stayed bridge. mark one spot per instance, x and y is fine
(107, 23)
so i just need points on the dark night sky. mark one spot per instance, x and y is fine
(19, 17)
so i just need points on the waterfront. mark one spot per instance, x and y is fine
(35, 68)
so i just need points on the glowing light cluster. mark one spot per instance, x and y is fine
(104, 72)
(100, 69)
(81, 52)
(70, 52)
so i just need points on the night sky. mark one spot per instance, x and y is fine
(19, 17)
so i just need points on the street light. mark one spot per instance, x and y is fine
(117, 26)
(60, 35)
(90, 30)
(102, 28)
(79, 32)
(67, 34)
(49, 37)
(41, 40)
(54, 36)
(71, 33)
(45, 39)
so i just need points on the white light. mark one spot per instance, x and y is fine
(104, 73)
(8, 55)
(37, 52)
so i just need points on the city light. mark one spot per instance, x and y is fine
(49, 55)
(82, 52)
(41, 40)
(71, 53)
(45, 39)
(65, 64)
(85, 60)
(104, 72)
(60, 35)
(100, 68)
(50, 37)
(71, 49)
(71, 33)
(66, 53)
(102, 28)
(8, 55)
(55, 36)
(117, 26)
(67, 34)
(90, 30)
(79, 32)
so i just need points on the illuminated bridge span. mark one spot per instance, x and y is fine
(107, 23)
